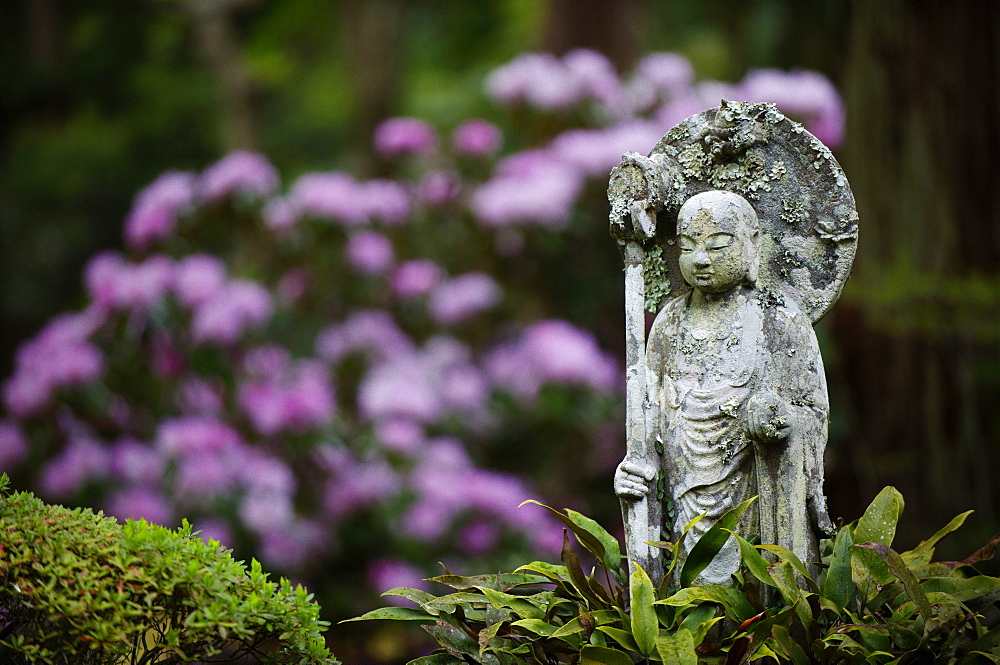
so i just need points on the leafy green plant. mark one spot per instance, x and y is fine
(868, 604)
(77, 587)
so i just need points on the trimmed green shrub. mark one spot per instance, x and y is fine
(869, 604)
(77, 587)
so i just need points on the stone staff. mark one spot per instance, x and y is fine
(641, 514)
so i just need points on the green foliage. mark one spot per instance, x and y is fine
(76, 587)
(868, 604)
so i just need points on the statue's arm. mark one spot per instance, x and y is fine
(636, 473)
(801, 387)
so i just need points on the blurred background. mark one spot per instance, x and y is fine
(98, 99)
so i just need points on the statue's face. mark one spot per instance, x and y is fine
(714, 252)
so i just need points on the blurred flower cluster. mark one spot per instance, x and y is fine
(371, 369)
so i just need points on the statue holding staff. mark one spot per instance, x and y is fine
(733, 394)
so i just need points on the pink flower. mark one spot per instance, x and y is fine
(476, 138)
(293, 544)
(214, 529)
(538, 79)
(387, 574)
(292, 286)
(140, 503)
(416, 277)
(260, 473)
(166, 361)
(13, 445)
(156, 208)
(239, 171)
(479, 537)
(115, 284)
(81, 461)
(59, 356)
(806, 95)
(189, 435)
(239, 305)
(297, 397)
(198, 396)
(358, 484)
(438, 187)
(551, 351)
(265, 511)
(370, 331)
(400, 434)
(594, 152)
(404, 136)
(136, 463)
(369, 252)
(595, 76)
(386, 201)
(529, 187)
(198, 278)
(280, 215)
(335, 195)
(668, 73)
(462, 297)
(202, 476)
(401, 387)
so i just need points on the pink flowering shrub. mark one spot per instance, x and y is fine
(354, 378)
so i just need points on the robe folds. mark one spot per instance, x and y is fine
(702, 381)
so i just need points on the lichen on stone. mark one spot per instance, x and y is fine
(656, 278)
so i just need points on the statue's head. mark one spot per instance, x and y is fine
(719, 238)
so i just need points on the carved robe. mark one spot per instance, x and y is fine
(700, 380)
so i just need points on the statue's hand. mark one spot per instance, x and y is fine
(632, 479)
(768, 418)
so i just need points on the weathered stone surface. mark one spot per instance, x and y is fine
(739, 229)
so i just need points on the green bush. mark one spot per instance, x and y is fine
(77, 587)
(868, 604)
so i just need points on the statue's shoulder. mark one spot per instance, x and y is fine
(670, 314)
(781, 308)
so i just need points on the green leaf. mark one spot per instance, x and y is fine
(598, 655)
(839, 583)
(788, 646)
(898, 568)
(394, 613)
(500, 581)
(551, 571)
(453, 639)
(536, 626)
(418, 596)
(904, 637)
(922, 553)
(677, 648)
(698, 617)
(878, 524)
(962, 589)
(645, 626)
(612, 549)
(589, 540)
(623, 637)
(987, 641)
(711, 542)
(576, 574)
(786, 554)
(783, 574)
(752, 559)
(734, 601)
(522, 606)
(437, 659)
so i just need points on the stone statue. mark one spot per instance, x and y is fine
(727, 400)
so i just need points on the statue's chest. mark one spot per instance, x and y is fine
(715, 352)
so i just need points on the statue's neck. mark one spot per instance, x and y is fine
(720, 300)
